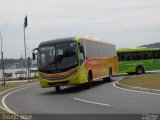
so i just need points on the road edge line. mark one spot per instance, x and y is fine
(136, 89)
(5, 107)
(16, 88)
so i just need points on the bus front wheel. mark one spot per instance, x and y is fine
(57, 88)
(88, 84)
(139, 70)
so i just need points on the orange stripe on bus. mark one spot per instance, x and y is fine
(57, 75)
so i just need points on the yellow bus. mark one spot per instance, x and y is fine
(75, 60)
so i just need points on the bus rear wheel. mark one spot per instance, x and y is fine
(109, 78)
(57, 88)
(131, 73)
(139, 70)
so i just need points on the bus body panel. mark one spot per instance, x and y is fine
(100, 58)
(100, 66)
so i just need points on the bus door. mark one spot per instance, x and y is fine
(156, 59)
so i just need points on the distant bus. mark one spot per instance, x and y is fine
(138, 60)
(75, 60)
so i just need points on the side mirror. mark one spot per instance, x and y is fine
(33, 56)
(81, 49)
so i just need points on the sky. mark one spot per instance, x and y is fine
(125, 23)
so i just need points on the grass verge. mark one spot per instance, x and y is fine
(151, 81)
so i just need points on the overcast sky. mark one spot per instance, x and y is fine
(126, 23)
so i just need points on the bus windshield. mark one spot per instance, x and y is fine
(57, 58)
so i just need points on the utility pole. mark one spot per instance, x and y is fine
(3, 83)
(22, 64)
(25, 25)
(29, 68)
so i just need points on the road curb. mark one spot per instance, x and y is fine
(137, 88)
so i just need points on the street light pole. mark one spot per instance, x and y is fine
(25, 53)
(3, 83)
(28, 59)
(25, 25)
(4, 80)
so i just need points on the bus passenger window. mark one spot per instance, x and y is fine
(126, 56)
(136, 55)
(146, 55)
(156, 54)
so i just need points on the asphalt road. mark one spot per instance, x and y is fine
(101, 98)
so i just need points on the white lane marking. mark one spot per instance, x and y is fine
(3, 108)
(134, 90)
(92, 102)
(3, 99)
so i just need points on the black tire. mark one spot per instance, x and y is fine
(88, 84)
(110, 75)
(131, 73)
(109, 78)
(139, 70)
(57, 88)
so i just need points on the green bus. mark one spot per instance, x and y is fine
(138, 60)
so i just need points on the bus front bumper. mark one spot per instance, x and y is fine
(62, 83)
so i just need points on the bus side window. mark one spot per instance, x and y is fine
(156, 54)
(136, 55)
(126, 56)
(146, 55)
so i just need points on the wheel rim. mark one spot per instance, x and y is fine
(139, 70)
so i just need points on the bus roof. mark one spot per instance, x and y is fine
(56, 41)
(136, 49)
(92, 39)
(77, 38)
